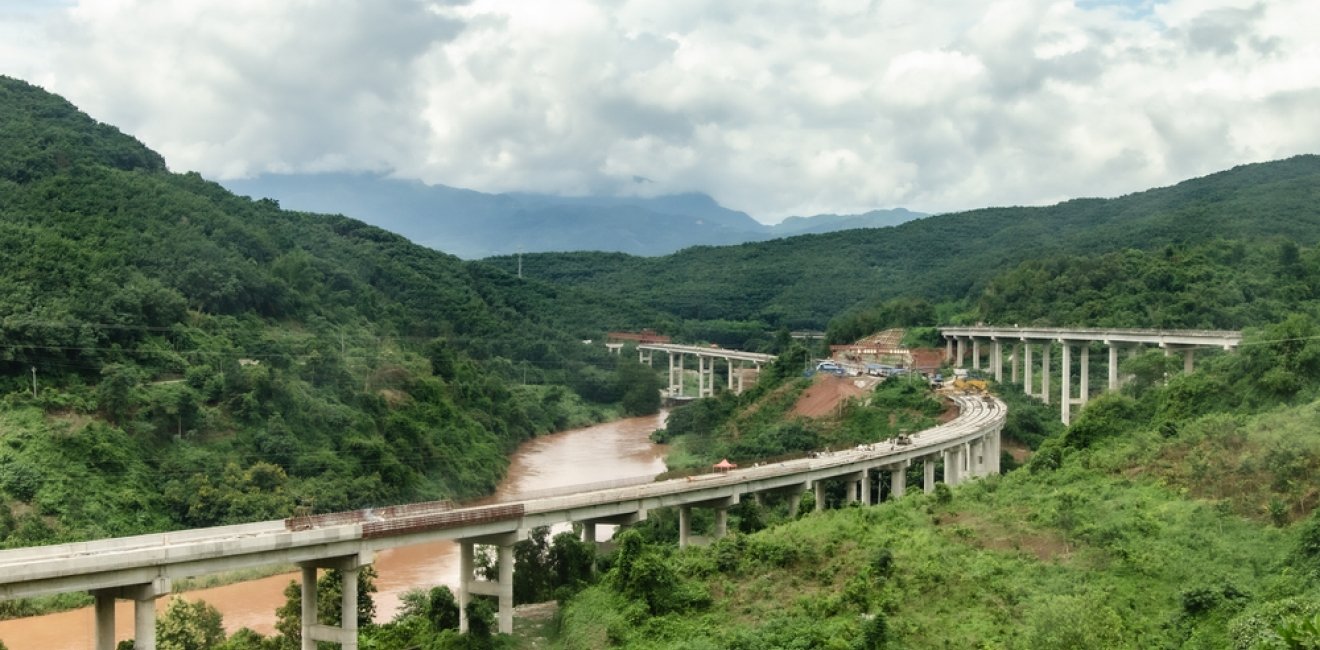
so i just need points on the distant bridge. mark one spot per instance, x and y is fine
(706, 358)
(1024, 339)
(142, 568)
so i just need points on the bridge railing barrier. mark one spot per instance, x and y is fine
(438, 520)
(308, 521)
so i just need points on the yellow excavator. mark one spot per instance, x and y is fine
(966, 383)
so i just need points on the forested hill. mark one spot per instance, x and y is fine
(804, 281)
(200, 358)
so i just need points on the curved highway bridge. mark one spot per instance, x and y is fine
(142, 568)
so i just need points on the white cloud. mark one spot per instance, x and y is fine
(776, 107)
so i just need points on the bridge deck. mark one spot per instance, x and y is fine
(141, 559)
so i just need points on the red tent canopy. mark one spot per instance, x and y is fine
(725, 465)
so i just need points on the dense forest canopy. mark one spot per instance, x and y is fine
(804, 282)
(225, 359)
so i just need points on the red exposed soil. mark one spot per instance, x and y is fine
(828, 392)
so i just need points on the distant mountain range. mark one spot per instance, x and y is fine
(474, 225)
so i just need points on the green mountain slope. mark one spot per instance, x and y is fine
(805, 281)
(1177, 516)
(201, 358)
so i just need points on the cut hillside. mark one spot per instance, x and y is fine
(828, 393)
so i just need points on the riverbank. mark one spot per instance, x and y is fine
(609, 451)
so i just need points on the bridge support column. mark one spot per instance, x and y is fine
(1045, 373)
(994, 451)
(976, 353)
(1187, 361)
(1085, 378)
(865, 484)
(684, 525)
(346, 634)
(1065, 384)
(1017, 357)
(144, 613)
(794, 502)
(962, 349)
(701, 376)
(897, 480)
(469, 585)
(308, 605)
(997, 357)
(675, 369)
(506, 588)
(105, 621)
(721, 523)
(1113, 367)
(144, 624)
(948, 349)
(952, 465)
(928, 474)
(975, 459)
(1028, 384)
(589, 530)
(818, 488)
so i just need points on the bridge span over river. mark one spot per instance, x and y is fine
(142, 568)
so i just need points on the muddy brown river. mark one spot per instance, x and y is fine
(605, 452)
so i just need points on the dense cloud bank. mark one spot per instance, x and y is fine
(774, 108)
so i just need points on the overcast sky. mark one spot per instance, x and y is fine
(775, 108)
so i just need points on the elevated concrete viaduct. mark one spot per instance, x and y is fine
(142, 568)
(1024, 339)
(706, 358)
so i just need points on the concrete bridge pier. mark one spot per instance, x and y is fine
(818, 489)
(976, 458)
(1065, 384)
(976, 354)
(897, 480)
(1028, 385)
(1045, 373)
(312, 630)
(795, 499)
(675, 374)
(1113, 367)
(953, 460)
(1017, 355)
(144, 613)
(721, 507)
(997, 359)
(621, 521)
(962, 349)
(469, 585)
(928, 474)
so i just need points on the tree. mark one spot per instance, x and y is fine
(640, 386)
(571, 561)
(188, 625)
(115, 393)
